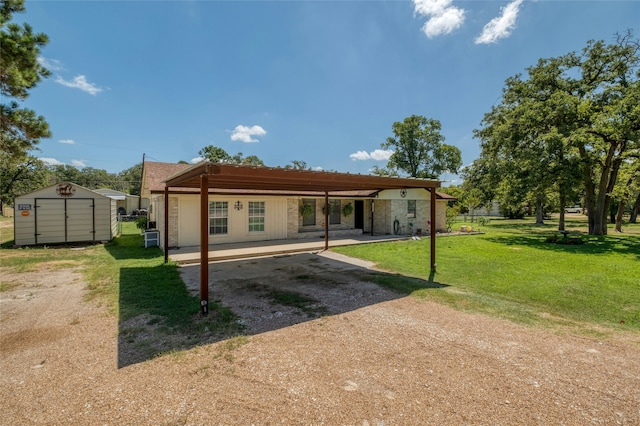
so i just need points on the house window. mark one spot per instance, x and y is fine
(256, 216)
(334, 212)
(411, 209)
(218, 217)
(310, 219)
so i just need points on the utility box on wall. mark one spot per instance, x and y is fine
(64, 213)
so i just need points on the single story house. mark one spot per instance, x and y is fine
(244, 215)
(282, 203)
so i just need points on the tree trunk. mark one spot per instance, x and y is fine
(598, 203)
(539, 213)
(589, 191)
(621, 205)
(634, 210)
(563, 200)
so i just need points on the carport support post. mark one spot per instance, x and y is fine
(204, 244)
(432, 233)
(326, 220)
(166, 224)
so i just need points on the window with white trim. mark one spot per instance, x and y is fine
(218, 217)
(256, 216)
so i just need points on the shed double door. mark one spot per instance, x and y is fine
(64, 220)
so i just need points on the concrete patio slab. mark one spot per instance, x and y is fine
(186, 255)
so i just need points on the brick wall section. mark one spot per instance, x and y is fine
(381, 216)
(398, 210)
(293, 218)
(173, 222)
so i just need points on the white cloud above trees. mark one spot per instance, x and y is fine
(51, 161)
(246, 134)
(500, 26)
(443, 17)
(377, 155)
(80, 82)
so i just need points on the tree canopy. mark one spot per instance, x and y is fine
(419, 149)
(219, 155)
(573, 121)
(21, 128)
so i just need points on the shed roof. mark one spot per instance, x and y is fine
(112, 193)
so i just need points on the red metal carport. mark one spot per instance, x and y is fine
(206, 175)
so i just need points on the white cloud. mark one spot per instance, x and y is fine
(50, 64)
(79, 163)
(443, 18)
(317, 169)
(196, 160)
(360, 155)
(244, 133)
(80, 82)
(445, 23)
(500, 26)
(377, 155)
(381, 154)
(51, 161)
(430, 7)
(67, 141)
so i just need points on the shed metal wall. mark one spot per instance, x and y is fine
(46, 217)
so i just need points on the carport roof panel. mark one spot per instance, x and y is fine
(232, 176)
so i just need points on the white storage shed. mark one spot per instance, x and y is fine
(64, 213)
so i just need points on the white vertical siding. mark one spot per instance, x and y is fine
(238, 220)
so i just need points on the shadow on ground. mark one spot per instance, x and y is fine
(247, 297)
(590, 244)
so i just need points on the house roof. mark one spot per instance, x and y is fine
(155, 173)
(230, 176)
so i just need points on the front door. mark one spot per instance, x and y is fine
(359, 214)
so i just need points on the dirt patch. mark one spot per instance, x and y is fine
(263, 292)
(371, 359)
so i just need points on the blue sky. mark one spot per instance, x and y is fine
(317, 81)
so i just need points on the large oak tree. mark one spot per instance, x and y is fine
(419, 149)
(574, 115)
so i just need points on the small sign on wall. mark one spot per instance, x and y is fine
(24, 206)
(65, 190)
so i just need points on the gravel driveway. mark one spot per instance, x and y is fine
(356, 354)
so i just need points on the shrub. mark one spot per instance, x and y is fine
(141, 223)
(306, 209)
(564, 239)
(347, 210)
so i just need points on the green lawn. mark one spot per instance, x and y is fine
(511, 271)
(130, 279)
